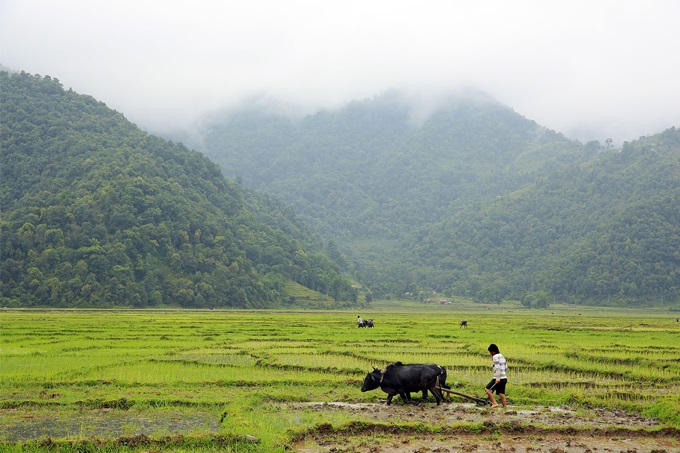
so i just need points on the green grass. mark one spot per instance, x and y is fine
(217, 376)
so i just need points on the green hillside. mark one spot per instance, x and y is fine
(473, 200)
(604, 232)
(370, 170)
(96, 212)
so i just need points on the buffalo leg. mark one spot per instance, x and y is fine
(437, 394)
(405, 397)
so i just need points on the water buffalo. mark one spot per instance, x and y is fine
(366, 323)
(400, 379)
(441, 374)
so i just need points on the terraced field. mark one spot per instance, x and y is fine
(579, 379)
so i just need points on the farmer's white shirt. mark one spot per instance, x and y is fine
(499, 366)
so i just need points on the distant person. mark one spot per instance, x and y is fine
(360, 322)
(499, 377)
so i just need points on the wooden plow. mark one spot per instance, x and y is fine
(480, 401)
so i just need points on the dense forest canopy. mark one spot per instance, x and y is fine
(473, 200)
(371, 170)
(98, 213)
(608, 230)
(470, 200)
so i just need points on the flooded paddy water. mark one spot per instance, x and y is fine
(105, 423)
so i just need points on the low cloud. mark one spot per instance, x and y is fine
(591, 70)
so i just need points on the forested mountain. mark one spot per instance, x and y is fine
(96, 212)
(604, 231)
(472, 200)
(372, 171)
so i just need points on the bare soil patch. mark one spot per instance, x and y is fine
(447, 428)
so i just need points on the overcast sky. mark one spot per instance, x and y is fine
(590, 69)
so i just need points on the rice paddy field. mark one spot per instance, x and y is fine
(579, 379)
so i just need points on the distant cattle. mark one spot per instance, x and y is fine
(400, 379)
(463, 323)
(366, 323)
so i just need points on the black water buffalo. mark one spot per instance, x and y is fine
(366, 323)
(400, 379)
(441, 374)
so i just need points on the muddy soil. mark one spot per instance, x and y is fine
(107, 424)
(546, 429)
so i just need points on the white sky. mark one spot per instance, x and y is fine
(592, 69)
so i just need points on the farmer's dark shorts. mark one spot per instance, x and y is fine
(499, 388)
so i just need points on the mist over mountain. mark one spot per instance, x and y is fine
(591, 70)
(370, 169)
(470, 199)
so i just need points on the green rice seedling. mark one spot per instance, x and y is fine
(268, 374)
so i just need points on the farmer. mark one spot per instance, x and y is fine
(499, 378)
(360, 322)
